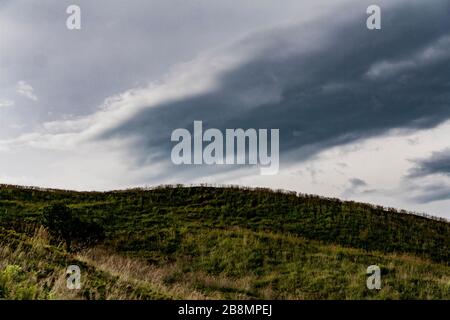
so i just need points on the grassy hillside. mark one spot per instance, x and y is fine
(205, 242)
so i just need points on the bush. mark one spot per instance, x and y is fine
(62, 224)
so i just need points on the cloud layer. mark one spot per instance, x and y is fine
(308, 80)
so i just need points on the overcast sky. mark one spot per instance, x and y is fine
(363, 114)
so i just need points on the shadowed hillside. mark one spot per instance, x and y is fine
(206, 242)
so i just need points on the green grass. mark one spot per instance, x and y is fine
(222, 243)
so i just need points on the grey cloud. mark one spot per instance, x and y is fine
(430, 192)
(357, 183)
(435, 168)
(357, 186)
(315, 85)
(437, 163)
(121, 45)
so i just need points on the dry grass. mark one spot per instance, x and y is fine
(134, 269)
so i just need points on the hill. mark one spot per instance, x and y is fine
(205, 242)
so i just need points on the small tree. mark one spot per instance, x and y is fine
(61, 223)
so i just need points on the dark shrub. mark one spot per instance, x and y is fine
(62, 224)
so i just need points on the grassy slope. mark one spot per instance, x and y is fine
(225, 243)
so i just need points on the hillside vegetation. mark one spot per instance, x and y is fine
(225, 243)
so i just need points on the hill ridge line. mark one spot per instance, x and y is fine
(231, 186)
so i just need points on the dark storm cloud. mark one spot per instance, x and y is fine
(437, 163)
(322, 85)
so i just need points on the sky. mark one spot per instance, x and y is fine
(362, 114)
